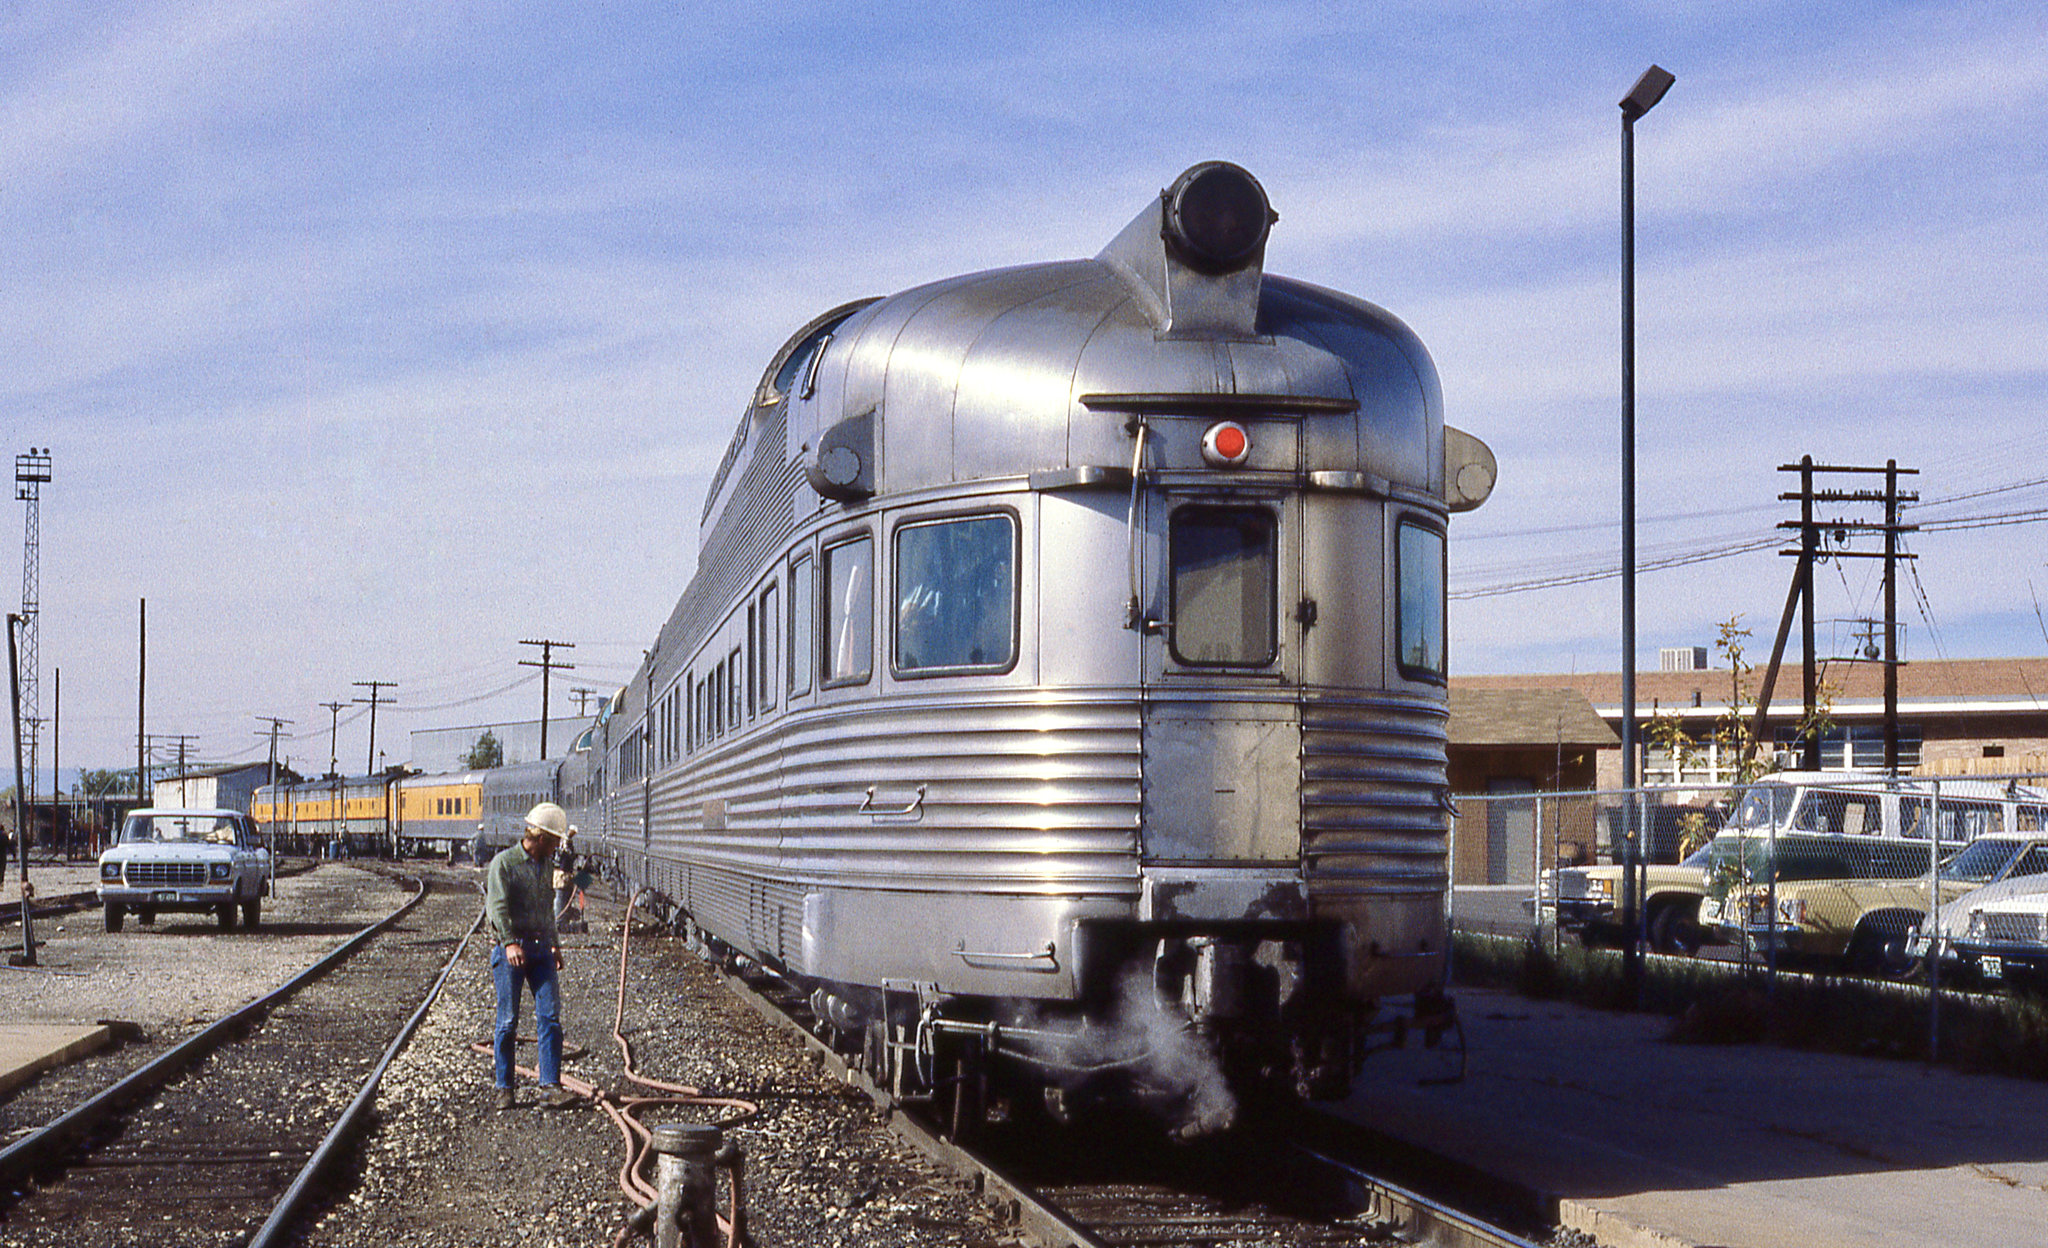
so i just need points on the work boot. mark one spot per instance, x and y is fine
(503, 1098)
(555, 1096)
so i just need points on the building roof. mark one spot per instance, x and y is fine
(1526, 716)
(205, 773)
(1983, 686)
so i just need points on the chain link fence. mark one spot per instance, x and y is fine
(1934, 880)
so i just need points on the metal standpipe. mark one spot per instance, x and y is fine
(686, 1176)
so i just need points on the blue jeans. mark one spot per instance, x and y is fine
(539, 971)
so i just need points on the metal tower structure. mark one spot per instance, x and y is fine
(31, 473)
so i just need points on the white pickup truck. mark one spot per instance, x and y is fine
(186, 860)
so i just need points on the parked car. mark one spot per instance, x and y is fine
(1588, 901)
(1968, 932)
(185, 860)
(2006, 938)
(1847, 876)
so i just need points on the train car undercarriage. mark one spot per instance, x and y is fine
(1189, 1024)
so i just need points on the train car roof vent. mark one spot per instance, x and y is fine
(1196, 255)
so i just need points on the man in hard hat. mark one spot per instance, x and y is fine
(519, 903)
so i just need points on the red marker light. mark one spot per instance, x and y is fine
(1227, 444)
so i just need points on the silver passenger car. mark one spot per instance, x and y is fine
(1066, 656)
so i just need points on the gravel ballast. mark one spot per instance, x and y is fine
(439, 1167)
(821, 1166)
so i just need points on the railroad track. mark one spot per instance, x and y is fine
(1254, 1187)
(1295, 1178)
(225, 1138)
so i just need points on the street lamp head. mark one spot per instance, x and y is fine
(1649, 88)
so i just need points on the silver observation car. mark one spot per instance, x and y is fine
(1060, 698)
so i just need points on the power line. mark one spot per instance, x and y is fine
(416, 708)
(1609, 572)
(1991, 521)
(1985, 493)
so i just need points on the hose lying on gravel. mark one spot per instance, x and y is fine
(626, 1114)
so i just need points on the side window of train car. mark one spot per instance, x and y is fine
(803, 623)
(956, 595)
(1419, 567)
(764, 646)
(1225, 571)
(849, 612)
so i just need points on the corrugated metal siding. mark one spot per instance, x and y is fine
(1372, 787)
(1039, 798)
(755, 524)
(1032, 797)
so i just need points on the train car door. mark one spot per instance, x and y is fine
(1220, 586)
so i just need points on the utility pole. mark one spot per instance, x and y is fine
(151, 743)
(583, 697)
(28, 933)
(141, 703)
(184, 740)
(275, 724)
(1809, 552)
(31, 474)
(370, 762)
(60, 828)
(547, 666)
(333, 726)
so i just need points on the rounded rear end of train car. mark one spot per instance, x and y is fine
(1061, 695)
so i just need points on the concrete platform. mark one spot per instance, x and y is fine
(29, 1049)
(1647, 1144)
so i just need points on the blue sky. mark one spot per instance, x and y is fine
(371, 339)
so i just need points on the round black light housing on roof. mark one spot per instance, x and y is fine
(1217, 217)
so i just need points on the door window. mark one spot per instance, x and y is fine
(1225, 586)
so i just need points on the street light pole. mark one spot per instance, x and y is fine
(1641, 98)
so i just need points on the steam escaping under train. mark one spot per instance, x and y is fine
(1060, 697)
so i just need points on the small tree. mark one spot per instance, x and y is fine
(97, 782)
(1733, 731)
(485, 754)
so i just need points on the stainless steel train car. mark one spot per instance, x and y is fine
(1061, 695)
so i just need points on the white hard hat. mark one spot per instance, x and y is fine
(550, 819)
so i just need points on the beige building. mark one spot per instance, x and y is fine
(1955, 716)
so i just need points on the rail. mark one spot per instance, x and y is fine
(40, 1145)
(1381, 1209)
